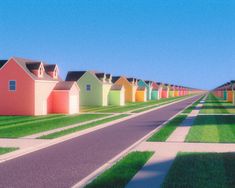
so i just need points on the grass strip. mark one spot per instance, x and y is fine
(215, 105)
(122, 172)
(210, 170)
(82, 127)
(36, 127)
(128, 106)
(212, 129)
(193, 106)
(6, 150)
(25, 120)
(166, 130)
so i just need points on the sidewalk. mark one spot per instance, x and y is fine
(181, 132)
(155, 170)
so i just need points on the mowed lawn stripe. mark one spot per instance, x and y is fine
(22, 121)
(128, 106)
(211, 128)
(214, 105)
(166, 130)
(36, 127)
(210, 170)
(82, 127)
(122, 172)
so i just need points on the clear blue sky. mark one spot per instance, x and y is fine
(186, 42)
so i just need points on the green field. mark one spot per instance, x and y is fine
(128, 107)
(21, 129)
(166, 130)
(214, 105)
(201, 170)
(82, 127)
(122, 172)
(212, 128)
(6, 150)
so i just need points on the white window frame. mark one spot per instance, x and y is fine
(9, 85)
(88, 85)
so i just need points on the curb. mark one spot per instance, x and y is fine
(52, 142)
(111, 162)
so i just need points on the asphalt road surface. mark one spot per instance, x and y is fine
(65, 164)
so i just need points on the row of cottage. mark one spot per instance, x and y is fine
(31, 87)
(226, 91)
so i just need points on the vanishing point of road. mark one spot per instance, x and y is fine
(66, 163)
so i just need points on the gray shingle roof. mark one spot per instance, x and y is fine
(74, 75)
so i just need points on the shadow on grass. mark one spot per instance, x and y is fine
(199, 170)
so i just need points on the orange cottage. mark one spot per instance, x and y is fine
(34, 88)
(141, 94)
(130, 85)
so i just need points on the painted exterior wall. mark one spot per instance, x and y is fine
(60, 102)
(230, 96)
(154, 95)
(43, 97)
(130, 89)
(21, 101)
(142, 83)
(234, 97)
(225, 95)
(94, 97)
(176, 94)
(171, 93)
(105, 96)
(141, 96)
(117, 97)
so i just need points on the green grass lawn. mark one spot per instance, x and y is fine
(6, 150)
(128, 107)
(122, 172)
(214, 105)
(9, 121)
(82, 127)
(212, 128)
(166, 130)
(28, 128)
(202, 170)
(192, 107)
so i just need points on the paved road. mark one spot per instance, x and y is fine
(64, 164)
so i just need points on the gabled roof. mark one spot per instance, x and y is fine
(33, 65)
(74, 75)
(2, 62)
(148, 82)
(100, 75)
(115, 78)
(64, 85)
(116, 87)
(140, 88)
(28, 65)
(49, 67)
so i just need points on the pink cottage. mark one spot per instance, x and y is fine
(30, 87)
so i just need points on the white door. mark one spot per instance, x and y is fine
(73, 104)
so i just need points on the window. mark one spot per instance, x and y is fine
(12, 85)
(88, 87)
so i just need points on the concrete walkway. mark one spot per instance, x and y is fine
(181, 132)
(21, 143)
(76, 158)
(155, 170)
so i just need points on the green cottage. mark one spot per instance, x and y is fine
(117, 95)
(94, 87)
(172, 91)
